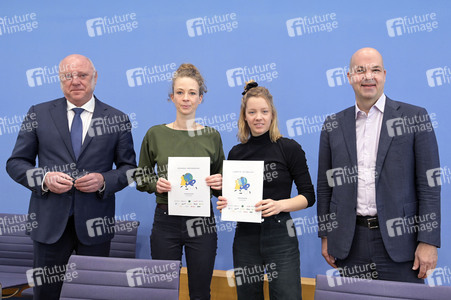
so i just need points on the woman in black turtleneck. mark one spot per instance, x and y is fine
(270, 246)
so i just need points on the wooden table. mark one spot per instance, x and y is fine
(13, 284)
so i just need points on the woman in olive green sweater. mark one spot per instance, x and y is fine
(183, 137)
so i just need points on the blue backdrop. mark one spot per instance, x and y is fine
(300, 50)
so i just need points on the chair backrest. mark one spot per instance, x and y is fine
(90, 277)
(124, 242)
(345, 288)
(122, 245)
(16, 247)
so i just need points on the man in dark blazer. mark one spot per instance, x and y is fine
(76, 139)
(378, 182)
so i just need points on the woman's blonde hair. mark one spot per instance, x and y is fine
(253, 90)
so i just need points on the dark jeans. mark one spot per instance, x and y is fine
(368, 259)
(198, 235)
(267, 247)
(52, 257)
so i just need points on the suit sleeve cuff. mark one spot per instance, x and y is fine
(103, 187)
(43, 187)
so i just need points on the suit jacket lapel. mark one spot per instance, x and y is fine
(350, 135)
(390, 112)
(59, 116)
(100, 112)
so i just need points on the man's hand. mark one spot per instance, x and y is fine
(90, 183)
(329, 259)
(425, 259)
(58, 182)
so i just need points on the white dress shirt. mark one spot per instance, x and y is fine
(85, 116)
(368, 129)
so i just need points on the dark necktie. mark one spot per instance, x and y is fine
(76, 132)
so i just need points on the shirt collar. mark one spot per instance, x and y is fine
(380, 105)
(88, 106)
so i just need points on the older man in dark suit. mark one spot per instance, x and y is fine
(378, 204)
(76, 139)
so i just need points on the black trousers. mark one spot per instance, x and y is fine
(267, 248)
(199, 237)
(50, 261)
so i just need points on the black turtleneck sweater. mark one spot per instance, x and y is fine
(284, 163)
